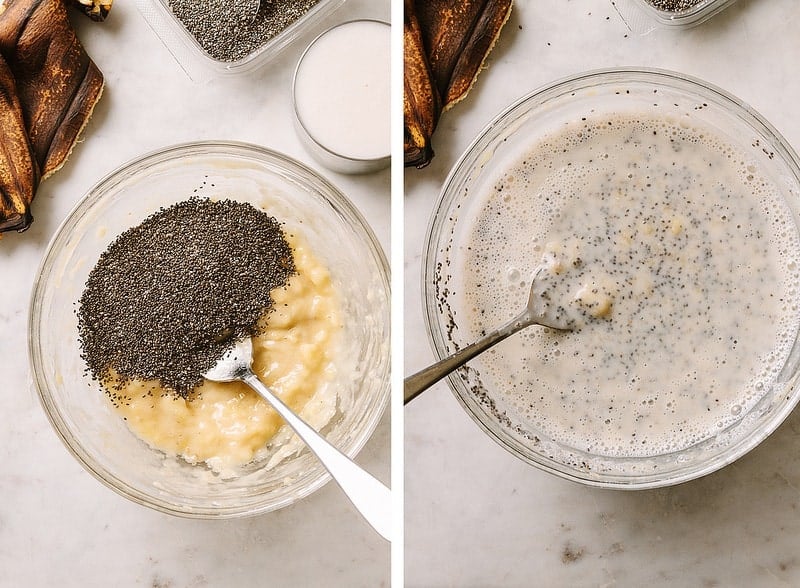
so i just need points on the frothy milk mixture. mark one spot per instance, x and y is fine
(677, 256)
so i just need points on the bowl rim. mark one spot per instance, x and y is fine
(334, 197)
(468, 161)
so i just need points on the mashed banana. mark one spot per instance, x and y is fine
(227, 424)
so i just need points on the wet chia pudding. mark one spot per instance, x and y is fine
(677, 258)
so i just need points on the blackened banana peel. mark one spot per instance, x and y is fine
(48, 89)
(445, 45)
(421, 100)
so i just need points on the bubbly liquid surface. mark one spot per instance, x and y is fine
(680, 261)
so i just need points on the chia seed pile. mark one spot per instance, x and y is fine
(674, 5)
(169, 296)
(226, 35)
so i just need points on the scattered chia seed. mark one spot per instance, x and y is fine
(674, 5)
(169, 296)
(224, 35)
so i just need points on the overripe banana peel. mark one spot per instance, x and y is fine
(452, 39)
(19, 174)
(48, 89)
(421, 100)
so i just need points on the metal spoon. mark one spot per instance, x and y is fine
(370, 497)
(538, 311)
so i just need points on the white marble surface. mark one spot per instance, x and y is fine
(58, 525)
(475, 515)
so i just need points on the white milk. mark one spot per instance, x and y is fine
(678, 256)
(342, 92)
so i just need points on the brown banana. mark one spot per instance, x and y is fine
(460, 37)
(19, 173)
(453, 39)
(56, 86)
(421, 102)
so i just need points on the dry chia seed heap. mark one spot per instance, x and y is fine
(169, 296)
(674, 5)
(225, 35)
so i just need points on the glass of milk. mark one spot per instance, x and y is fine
(341, 95)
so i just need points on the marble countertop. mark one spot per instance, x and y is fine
(477, 516)
(59, 526)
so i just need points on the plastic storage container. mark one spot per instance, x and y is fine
(658, 11)
(201, 59)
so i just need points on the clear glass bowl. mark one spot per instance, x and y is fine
(500, 144)
(79, 410)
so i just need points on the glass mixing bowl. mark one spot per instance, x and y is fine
(79, 409)
(498, 146)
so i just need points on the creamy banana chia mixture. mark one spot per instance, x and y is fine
(676, 256)
(170, 295)
(226, 424)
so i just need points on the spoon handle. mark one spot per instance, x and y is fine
(370, 497)
(416, 384)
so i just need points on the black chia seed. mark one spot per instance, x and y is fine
(226, 35)
(674, 5)
(169, 296)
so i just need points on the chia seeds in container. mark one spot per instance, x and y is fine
(168, 297)
(216, 36)
(673, 13)
(675, 5)
(227, 36)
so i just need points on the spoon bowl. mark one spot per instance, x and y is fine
(368, 495)
(540, 310)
